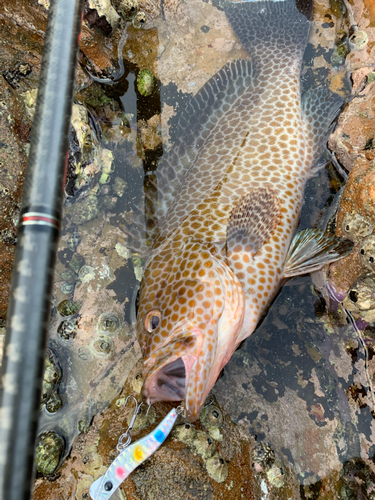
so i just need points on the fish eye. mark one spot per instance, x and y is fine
(152, 320)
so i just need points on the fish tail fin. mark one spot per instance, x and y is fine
(311, 249)
(272, 31)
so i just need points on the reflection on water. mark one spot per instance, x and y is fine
(299, 384)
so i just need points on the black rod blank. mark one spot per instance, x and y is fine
(29, 306)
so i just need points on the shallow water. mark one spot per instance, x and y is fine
(289, 384)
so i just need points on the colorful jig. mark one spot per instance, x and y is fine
(131, 456)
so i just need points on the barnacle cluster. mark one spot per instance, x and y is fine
(202, 443)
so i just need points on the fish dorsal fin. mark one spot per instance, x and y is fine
(252, 222)
(320, 107)
(196, 122)
(311, 249)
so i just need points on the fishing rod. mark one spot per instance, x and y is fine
(39, 228)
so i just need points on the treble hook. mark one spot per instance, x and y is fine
(126, 438)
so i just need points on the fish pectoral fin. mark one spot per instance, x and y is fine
(252, 222)
(311, 249)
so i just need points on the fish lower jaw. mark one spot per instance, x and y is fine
(169, 382)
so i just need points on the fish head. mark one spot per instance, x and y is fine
(191, 309)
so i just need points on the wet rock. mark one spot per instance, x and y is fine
(355, 221)
(119, 187)
(358, 480)
(101, 15)
(150, 131)
(355, 129)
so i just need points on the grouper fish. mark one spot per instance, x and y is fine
(230, 193)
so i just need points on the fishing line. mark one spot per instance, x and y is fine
(360, 337)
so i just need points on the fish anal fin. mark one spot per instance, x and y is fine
(320, 107)
(252, 222)
(311, 249)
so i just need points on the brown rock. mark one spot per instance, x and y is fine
(22, 26)
(359, 193)
(356, 128)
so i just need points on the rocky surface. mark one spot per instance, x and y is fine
(22, 35)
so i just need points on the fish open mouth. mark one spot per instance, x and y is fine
(171, 382)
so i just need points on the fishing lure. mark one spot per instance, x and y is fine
(132, 456)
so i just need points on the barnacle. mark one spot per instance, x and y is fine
(128, 8)
(68, 307)
(139, 20)
(145, 82)
(76, 262)
(211, 417)
(86, 274)
(48, 452)
(360, 299)
(355, 227)
(138, 383)
(85, 210)
(73, 241)
(68, 329)
(367, 252)
(262, 457)
(102, 346)
(217, 468)
(276, 474)
(109, 323)
(358, 40)
(67, 288)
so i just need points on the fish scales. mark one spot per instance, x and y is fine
(228, 218)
